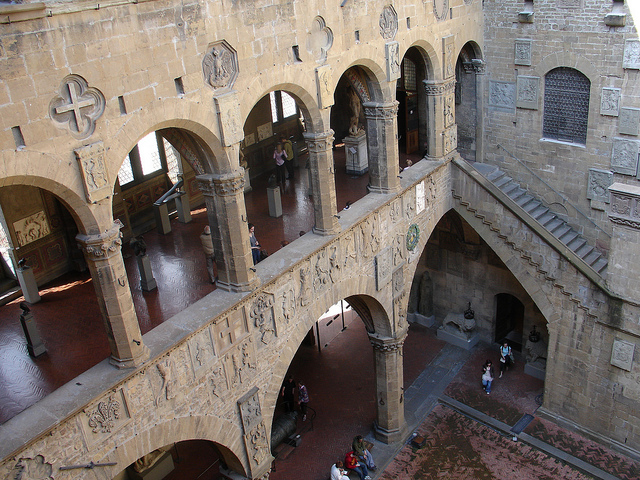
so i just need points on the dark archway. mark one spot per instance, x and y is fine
(509, 320)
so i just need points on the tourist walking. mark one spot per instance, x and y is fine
(303, 399)
(207, 247)
(487, 376)
(506, 358)
(280, 156)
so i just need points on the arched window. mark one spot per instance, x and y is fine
(566, 105)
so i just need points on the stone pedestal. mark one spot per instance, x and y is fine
(275, 202)
(452, 335)
(535, 369)
(184, 209)
(34, 342)
(163, 223)
(415, 317)
(356, 153)
(247, 180)
(28, 284)
(147, 280)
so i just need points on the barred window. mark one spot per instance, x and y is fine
(566, 105)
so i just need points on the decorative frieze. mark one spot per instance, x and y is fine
(625, 205)
(381, 111)
(387, 345)
(93, 171)
(230, 330)
(102, 246)
(433, 88)
(319, 142)
(31, 228)
(105, 417)
(77, 106)
(228, 184)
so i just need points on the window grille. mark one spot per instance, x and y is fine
(566, 105)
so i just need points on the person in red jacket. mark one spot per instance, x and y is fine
(352, 463)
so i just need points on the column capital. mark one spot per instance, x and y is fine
(319, 142)
(384, 111)
(103, 245)
(223, 185)
(436, 87)
(387, 344)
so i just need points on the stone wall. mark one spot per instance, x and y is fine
(563, 33)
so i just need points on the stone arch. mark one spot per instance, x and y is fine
(429, 57)
(212, 428)
(305, 101)
(378, 88)
(566, 58)
(193, 117)
(88, 217)
(509, 257)
(363, 304)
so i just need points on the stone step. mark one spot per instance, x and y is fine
(600, 265)
(555, 225)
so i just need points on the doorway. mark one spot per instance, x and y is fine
(509, 320)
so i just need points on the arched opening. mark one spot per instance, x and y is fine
(197, 459)
(467, 101)
(61, 302)
(509, 320)
(412, 108)
(336, 364)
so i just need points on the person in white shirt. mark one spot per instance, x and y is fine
(338, 472)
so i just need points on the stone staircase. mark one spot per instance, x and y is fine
(545, 217)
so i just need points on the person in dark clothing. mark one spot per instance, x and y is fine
(289, 394)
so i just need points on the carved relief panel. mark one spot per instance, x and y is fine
(255, 433)
(420, 198)
(35, 468)
(384, 261)
(229, 330)
(622, 354)
(599, 183)
(101, 419)
(321, 277)
(629, 121)
(262, 318)
(527, 89)
(522, 51)
(502, 94)
(93, 171)
(228, 110)
(240, 364)
(323, 82)
(392, 56)
(388, 22)
(220, 66)
(624, 156)
(631, 55)
(319, 40)
(610, 101)
(448, 53)
(201, 352)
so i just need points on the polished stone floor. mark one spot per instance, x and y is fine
(68, 316)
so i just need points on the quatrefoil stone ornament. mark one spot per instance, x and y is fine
(77, 106)
(319, 40)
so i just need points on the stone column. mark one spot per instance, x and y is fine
(104, 258)
(323, 184)
(441, 118)
(224, 197)
(479, 69)
(390, 425)
(382, 146)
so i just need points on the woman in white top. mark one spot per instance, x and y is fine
(338, 472)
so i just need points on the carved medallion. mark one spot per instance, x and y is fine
(32, 469)
(413, 236)
(77, 106)
(388, 22)
(220, 66)
(441, 9)
(319, 40)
